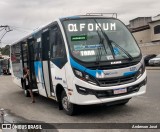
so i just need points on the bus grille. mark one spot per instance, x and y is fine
(116, 81)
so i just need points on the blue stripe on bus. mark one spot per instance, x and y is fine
(76, 65)
(129, 73)
(93, 72)
(39, 71)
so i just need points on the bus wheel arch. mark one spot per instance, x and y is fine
(59, 90)
(62, 99)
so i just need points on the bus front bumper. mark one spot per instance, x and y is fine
(87, 94)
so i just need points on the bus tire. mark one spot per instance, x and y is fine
(69, 108)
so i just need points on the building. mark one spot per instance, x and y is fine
(155, 29)
(146, 29)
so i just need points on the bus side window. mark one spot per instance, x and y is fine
(57, 47)
(57, 43)
(37, 51)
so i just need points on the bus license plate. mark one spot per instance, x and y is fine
(120, 91)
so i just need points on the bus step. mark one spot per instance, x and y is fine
(52, 97)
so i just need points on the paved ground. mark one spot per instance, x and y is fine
(153, 68)
(142, 109)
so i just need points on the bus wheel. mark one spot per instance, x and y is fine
(68, 107)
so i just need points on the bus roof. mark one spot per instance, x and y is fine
(88, 15)
(91, 15)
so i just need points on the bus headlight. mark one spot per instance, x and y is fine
(78, 73)
(140, 71)
(84, 76)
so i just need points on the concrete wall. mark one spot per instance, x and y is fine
(150, 49)
(143, 36)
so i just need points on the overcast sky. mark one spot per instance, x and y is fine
(26, 15)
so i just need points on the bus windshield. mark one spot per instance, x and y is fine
(100, 39)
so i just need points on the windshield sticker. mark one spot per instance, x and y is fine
(87, 47)
(116, 51)
(79, 47)
(91, 27)
(87, 53)
(79, 38)
(109, 57)
(76, 52)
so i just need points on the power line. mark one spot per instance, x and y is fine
(1, 29)
(6, 28)
(20, 30)
(2, 36)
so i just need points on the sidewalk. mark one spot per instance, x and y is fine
(152, 68)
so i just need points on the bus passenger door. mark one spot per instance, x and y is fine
(28, 60)
(38, 66)
(31, 43)
(46, 62)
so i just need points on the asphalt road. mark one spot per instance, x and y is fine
(141, 109)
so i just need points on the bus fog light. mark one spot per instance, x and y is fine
(82, 90)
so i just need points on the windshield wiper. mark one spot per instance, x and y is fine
(129, 56)
(107, 39)
(99, 55)
(110, 45)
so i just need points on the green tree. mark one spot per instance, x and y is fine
(5, 50)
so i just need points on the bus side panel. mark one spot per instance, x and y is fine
(69, 79)
(58, 76)
(39, 78)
